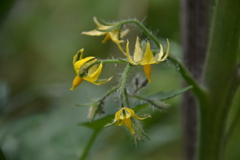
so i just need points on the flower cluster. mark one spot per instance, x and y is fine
(90, 68)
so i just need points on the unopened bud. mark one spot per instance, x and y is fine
(144, 83)
(136, 81)
(93, 110)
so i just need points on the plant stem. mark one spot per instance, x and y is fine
(89, 144)
(104, 61)
(110, 92)
(220, 79)
(123, 83)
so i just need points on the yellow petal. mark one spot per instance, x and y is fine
(94, 33)
(141, 118)
(77, 66)
(107, 37)
(93, 77)
(124, 33)
(115, 36)
(96, 22)
(102, 82)
(148, 57)
(78, 56)
(128, 55)
(137, 56)
(100, 26)
(117, 114)
(160, 54)
(167, 53)
(128, 123)
(76, 82)
(121, 49)
(119, 122)
(147, 71)
(92, 70)
(128, 111)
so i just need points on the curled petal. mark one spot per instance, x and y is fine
(92, 70)
(93, 77)
(167, 53)
(115, 36)
(100, 26)
(96, 22)
(78, 56)
(141, 118)
(128, 55)
(160, 54)
(98, 82)
(77, 65)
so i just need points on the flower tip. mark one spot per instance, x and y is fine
(72, 89)
(132, 131)
(83, 32)
(76, 82)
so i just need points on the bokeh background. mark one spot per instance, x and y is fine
(38, 113)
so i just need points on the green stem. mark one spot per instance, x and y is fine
(104, 61)
(220, 79)
(110, 92)
(123, 83)
(89, 144)
(126, 98)
(232, 127)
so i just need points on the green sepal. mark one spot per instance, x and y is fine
(110, 124)
(101, 80)
(86, 104)
(112, 28)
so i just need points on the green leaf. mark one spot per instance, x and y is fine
(170, 94)
(98, 124)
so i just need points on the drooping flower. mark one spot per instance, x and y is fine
(112, 31)
(123, 116)
(146, 58)
(86, 70)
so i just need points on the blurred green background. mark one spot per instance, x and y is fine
(38, 113)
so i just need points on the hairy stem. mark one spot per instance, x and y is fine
(123, 83)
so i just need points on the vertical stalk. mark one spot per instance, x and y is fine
(220, 79)
(89, 144)
(123, 83)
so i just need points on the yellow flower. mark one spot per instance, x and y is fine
(147, 58)
(91, 75)
(114, 34)
(124, 115)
